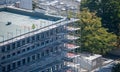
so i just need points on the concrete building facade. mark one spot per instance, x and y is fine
(33, 42)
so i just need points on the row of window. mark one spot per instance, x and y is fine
(53, 68)
(29, 59)
(31, 39)
(37, 45)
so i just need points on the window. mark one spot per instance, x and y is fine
(42, 43)
(57, 30)
(23, 61)
(23, 50)
(18, 44)
(28, 59)
(42, 54)
(13, 65)
(51, 49)
(42, 36)
(38, 56)
(8, 67)
(23, 42)
(38, 37)
(47, 41)
(28, 40)
(3, 69)
(18, 52)
(48, 70)
(28, 48)
(47, 52)
(13, 54)
(33, 46)
(33, 57)
(8, 47)
(38, 44)
(19, 63)
(51, 32)
(33, 38)
(13, 46)
(47, 33)
(3, 58)
(57, 67)
(3, 48)
(8, 56)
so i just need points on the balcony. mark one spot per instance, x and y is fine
(70, 37)
(71, 55)
(72, 28)
(70, 46)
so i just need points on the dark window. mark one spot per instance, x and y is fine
(8, 67)
(23, 50)
(47, 33)
(28, 59)
(13, 65)
(33, 38)
(48, 70)
(47, 52)
(3, 69)
(28, 48)
(33, 46)
(8, 56)
(33, 57)
(42, 36)
(57, 30)
(38, 44)
(23, 42)
(38, 56)
(57, 67)
(51, 49)
(18, 44)
(38, 37)
(42, 43)
(13, 46)
(3, 48)
(51, 32)
(28, 40)
(23, 61)
(56, 38)
(18, 52)
(8, 47)
(18, 63)
(13, 54)
(3, 58)
(42, 54)
(47, 42)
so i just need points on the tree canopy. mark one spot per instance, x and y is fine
(94, 37)
(108, 10)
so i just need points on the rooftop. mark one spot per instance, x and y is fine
(15, 22)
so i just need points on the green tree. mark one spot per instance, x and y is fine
(33, 26)
(109, 11)
(94, 37)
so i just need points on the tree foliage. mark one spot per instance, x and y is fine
(94, 37)
(108, 10)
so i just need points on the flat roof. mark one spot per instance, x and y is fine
(16, 22)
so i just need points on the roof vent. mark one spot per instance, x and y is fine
(8, 23)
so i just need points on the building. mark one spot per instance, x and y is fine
(59, 7)
(34, 42)
(90, 62)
